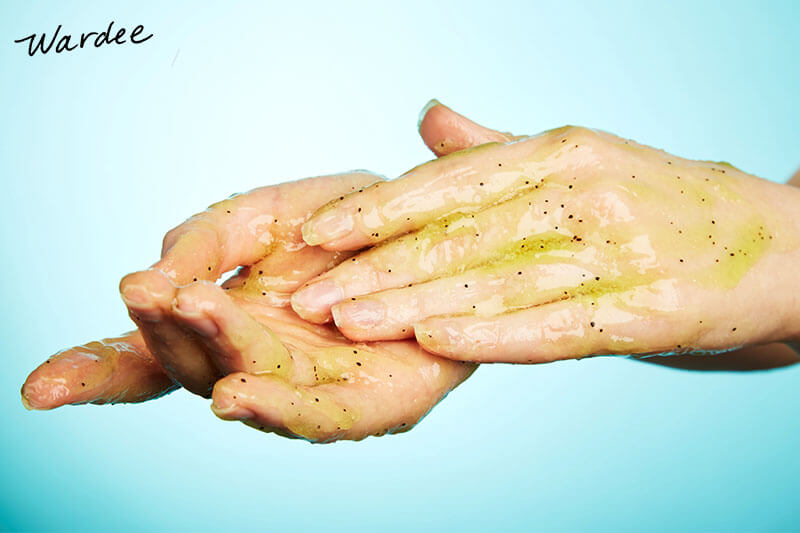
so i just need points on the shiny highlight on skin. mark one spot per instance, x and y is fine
(665, 244)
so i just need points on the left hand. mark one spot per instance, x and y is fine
(293, 378)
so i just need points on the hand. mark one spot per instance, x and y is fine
(650, 254)
(386, 387)
(283, 374)
(258, 227)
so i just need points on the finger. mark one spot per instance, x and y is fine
(444, 131)
(272, 280)
(373, 395)
(148, 296)
(567, 329)
(482, 292)
(520, 229)
(234, 339)
(113, 370)
(464, 181)
(246, 227)
(273, 404)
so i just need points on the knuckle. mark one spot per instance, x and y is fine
(581, 135)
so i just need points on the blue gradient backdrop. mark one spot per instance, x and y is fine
(103, 150)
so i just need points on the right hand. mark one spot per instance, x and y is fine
(452, 286)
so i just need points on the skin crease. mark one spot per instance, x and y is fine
(100, 378)
(568, 244)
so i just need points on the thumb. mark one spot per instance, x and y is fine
(444, 131)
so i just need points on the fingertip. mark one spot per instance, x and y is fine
(445, 131)
(313, 301)
(328, 226)
(225, 398)
(434, 337)
(433, 102)
(191, 310)
(146, 292)
(361, 320)
(42, 394)
(309, 236)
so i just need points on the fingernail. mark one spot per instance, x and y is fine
(424, 334)
(135, 295)
(229, 410)
(192, 314)
(431, 104)
(327, 227)
(364, 314)
(319, 296)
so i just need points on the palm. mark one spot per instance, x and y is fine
(272, 370)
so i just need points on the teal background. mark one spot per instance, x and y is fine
(103, 150)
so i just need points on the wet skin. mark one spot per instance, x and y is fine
(571, 243)
(241, 343)
(200, 334)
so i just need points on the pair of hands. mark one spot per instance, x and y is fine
(240, 343)
(471, 218)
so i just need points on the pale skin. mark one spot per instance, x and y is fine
(200, 333)
(564, 245)
(240, 343)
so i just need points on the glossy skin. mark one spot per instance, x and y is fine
(568, 244)
(266, 366)
(122, 369)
